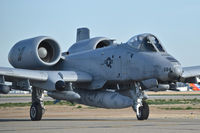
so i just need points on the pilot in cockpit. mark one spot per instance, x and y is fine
(146, 42)
(147, 45)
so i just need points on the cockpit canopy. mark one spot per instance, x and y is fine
(146, 42)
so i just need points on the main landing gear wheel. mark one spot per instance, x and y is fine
(36, 112)
(143, 113)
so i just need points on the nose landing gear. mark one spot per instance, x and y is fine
(142, 112)
(140, 106)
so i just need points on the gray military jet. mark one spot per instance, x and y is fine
(94, 71)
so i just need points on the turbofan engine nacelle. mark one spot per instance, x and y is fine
(35, 53)
(90, 44)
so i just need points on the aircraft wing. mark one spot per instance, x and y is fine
(11, 74)
(42, 79)
(38, 75)
(190, 74)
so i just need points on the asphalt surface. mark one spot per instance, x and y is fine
(28, 99)
(99, 126)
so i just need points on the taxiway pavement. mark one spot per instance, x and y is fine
(100, 126)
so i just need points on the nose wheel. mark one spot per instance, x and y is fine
(140, 106)
(142, 111)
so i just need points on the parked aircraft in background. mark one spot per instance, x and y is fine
(194, 87)
(94, 71)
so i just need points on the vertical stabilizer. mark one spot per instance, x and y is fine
(82, 34)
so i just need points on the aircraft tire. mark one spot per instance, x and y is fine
(144, 111)
(36, 112)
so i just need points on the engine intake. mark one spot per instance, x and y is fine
(35, 53)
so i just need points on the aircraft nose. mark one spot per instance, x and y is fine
(175, 73)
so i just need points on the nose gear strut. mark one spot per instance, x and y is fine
(139, 104)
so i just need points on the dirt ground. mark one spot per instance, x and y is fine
(147, 92)
(64, 111)
(173, 93)
(73, 112)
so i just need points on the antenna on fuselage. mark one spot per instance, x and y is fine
(82, 34)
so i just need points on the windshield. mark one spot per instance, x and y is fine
(155, 41)
(146, 42)
(147, 45)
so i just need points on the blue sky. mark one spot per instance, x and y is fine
(175, 22)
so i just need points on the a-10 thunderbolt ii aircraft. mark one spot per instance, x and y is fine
(94, 71)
